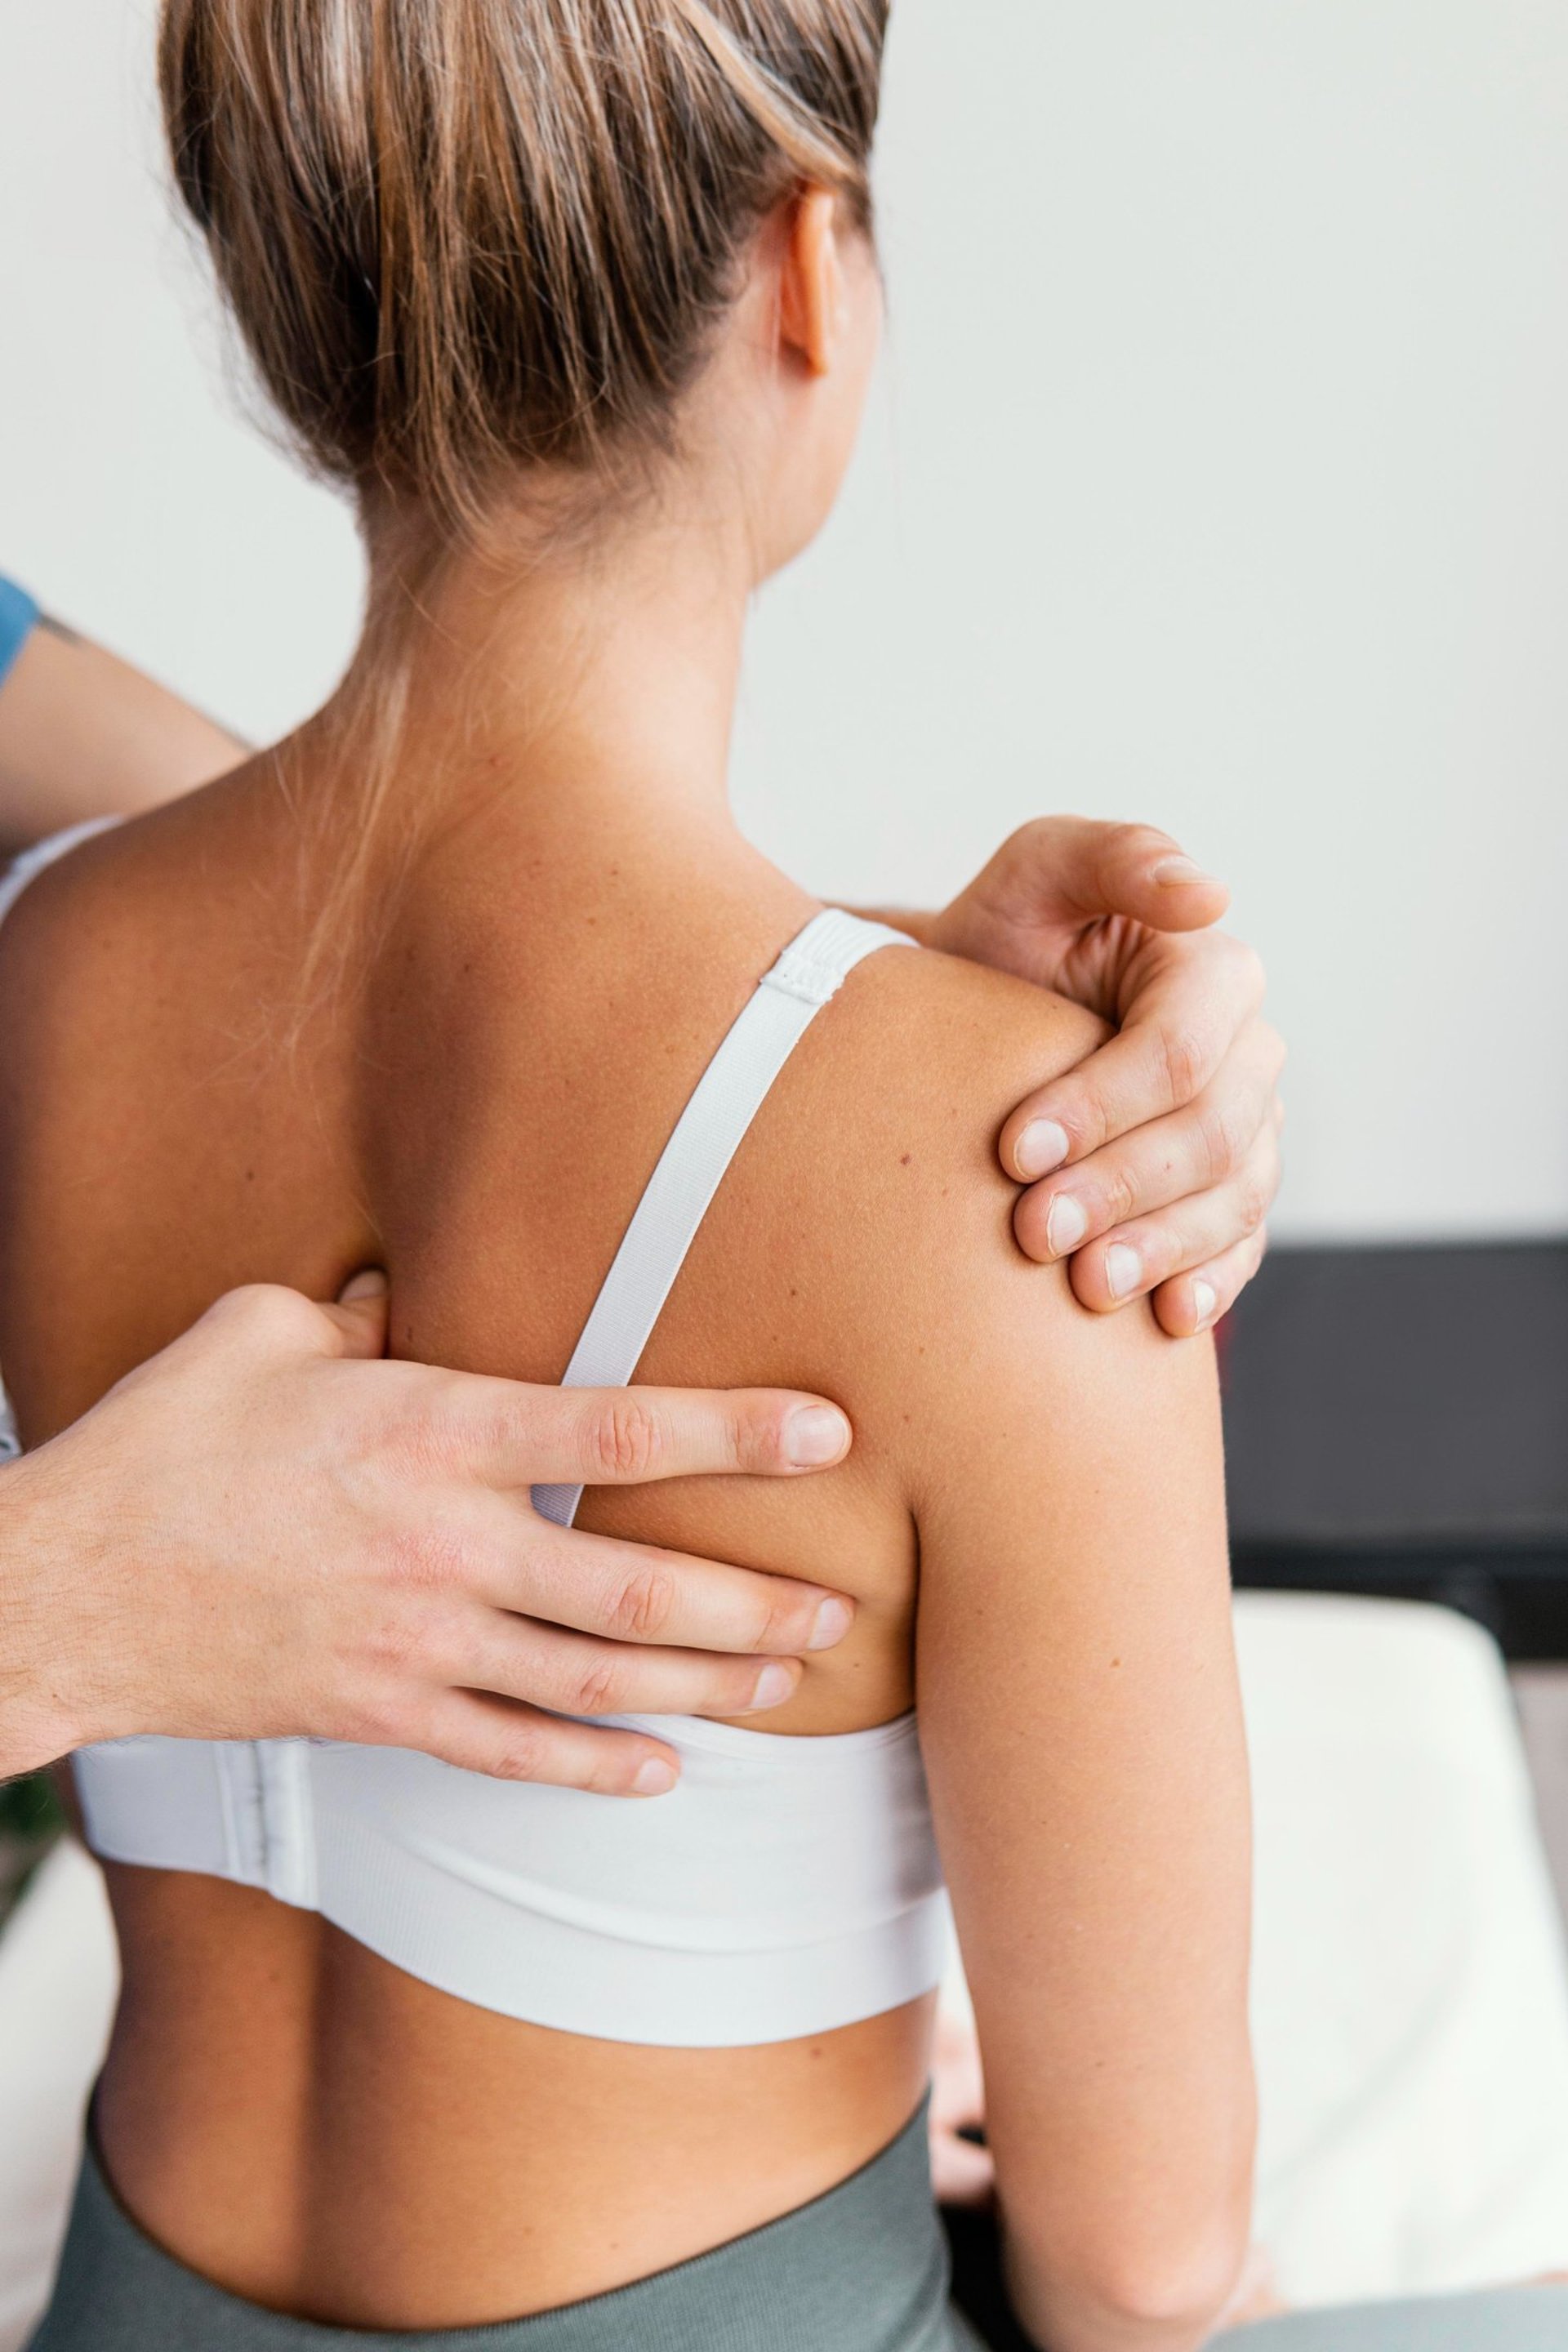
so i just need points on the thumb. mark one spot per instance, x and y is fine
(360, 1315)
(1063, 871)
(1135, 870)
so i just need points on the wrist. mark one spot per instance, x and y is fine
(46, 1708)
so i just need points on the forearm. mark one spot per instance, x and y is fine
(83, 734)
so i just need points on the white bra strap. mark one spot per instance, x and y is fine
(32, 862)
(733, 1089)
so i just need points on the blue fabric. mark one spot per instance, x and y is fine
(18, 614)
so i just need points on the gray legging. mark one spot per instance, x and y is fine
(864, 2269)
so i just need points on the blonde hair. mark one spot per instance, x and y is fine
(462, 237)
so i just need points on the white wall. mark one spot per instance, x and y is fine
(1220, 475)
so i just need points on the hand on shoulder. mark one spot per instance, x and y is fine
(1152, 1167)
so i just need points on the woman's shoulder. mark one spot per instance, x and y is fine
(70, 901)
(132, 1116)
(931, 1057)
(977, 1027)
(874, 1223)
(70, 953)
(962, 1350)
(883, 1156)
(95, 924)
(109, 956)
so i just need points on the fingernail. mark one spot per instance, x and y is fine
(1205, 1298)
(832, 1622)
(817, 1434)
(1182, 873)
(655, 1779)
(370, 1283)
(1042, 1146)
(1124, 1270)
(1066, 1226)
(774, 1684)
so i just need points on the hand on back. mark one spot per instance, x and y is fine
(267, 1531)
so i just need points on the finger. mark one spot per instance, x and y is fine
(1137, 871)
(1135, 1259)
(635, 1593)
(1179, 1030)
(1065, 867)
(1196, 1301)
(508, 1742)
(1189, 1153)
(359, 1317)
(573, 1675)
(514, 1436)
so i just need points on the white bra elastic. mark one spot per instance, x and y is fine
(730, 1092)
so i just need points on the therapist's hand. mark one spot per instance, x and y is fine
(270, 1531)
(1154, 1165)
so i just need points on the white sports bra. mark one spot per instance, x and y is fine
(787, 1886)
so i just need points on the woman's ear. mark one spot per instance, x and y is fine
(811, 307)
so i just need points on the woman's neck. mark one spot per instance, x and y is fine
(593, 687)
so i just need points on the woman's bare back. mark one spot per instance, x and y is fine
(477, 1105)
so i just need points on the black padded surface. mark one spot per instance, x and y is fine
(1402, 1395)
(1396, 1420)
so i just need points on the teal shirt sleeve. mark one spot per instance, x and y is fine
(18, 615)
